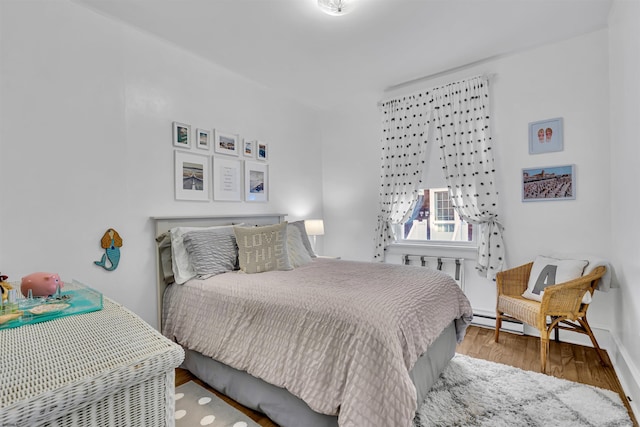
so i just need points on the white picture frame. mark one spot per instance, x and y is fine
(227, 179)
(226, 143)
(546, 136)
(248, 149)
(203, 139)
(191, 176)
(262, 151)
(181, 135)
(256, 182)
(549, 183)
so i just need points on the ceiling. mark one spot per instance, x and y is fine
(322, 61)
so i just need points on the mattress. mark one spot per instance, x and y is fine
(341, 336)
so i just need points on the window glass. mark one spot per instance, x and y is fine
(435, 219)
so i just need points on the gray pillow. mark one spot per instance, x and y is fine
(305, 237)
(298, 254)
(164, 247)
(262, 248)
(211, 251)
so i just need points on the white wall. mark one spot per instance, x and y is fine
(87, 105)
(624, 69)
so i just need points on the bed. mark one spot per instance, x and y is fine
(323, 343)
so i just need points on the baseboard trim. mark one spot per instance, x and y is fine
(628, 374)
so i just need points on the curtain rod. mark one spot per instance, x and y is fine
(487, 76)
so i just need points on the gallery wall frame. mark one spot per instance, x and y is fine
(546, 136)
(203, 139)
(249, 148)
(225, 143)
(227, 179)
(181, 135)
(549, 183)
(262, 151)
(256, 181)
(191, 176)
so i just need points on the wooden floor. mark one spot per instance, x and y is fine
(568, 361)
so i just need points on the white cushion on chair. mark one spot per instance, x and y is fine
(551, 271)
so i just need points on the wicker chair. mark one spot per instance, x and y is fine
(561, 303)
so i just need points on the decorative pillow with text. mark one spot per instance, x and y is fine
(262, 248)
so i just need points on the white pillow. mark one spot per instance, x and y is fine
(183, 270)
(550, 271)
(298, 254)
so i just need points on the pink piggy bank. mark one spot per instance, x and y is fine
(41, 284)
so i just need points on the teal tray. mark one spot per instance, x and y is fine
(81, 299)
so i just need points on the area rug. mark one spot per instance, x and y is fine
(197, 406)
(474, 392)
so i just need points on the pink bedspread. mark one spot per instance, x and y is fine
(340, 335)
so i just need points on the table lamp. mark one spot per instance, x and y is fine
(314, 227)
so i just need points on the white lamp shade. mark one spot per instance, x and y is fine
(314, 227)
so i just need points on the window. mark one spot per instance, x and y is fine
(434, 219)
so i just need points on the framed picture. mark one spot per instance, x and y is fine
(181, 135)
(545, 136)
(549, 183)
(262, 151)
(203, 139)
(191, 176)
(225, 143)
(256, 182)
(249, 149)
(227, 179)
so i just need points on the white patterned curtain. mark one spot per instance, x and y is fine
(463, 134)
(456, 117)
(403, 158)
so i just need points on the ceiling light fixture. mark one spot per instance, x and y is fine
(335, 7)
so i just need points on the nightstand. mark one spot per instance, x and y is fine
(104, 368)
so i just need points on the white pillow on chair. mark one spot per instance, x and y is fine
(550, 271)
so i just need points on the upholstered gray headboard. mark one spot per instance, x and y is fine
(166, 223)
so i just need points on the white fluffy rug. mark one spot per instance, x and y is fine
(473, 392)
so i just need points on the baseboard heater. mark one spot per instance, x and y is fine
(486, 320)
(454, 267)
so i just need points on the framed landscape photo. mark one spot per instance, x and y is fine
(226, 143)
(181, 135)
(545, 136)
(256, 182)
(549, 183)
(191, 176)
(262, 151)
(227, 179)
(249, 149)
(203, 139)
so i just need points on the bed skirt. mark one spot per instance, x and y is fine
(287, 410)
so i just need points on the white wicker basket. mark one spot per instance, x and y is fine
(106, 368)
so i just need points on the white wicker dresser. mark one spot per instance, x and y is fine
(106, 368)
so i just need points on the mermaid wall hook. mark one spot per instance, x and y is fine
(111, 242)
